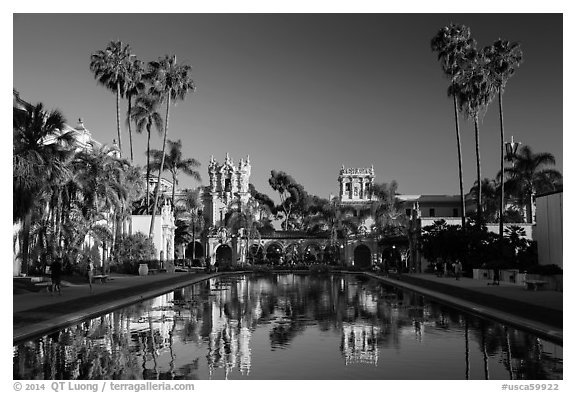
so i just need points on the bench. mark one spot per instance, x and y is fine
(152, 271)
(101, 277)
(534, 284)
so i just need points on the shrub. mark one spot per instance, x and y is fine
(133, 248)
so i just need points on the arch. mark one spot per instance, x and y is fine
(224, 255)
(332, 254)
(362, 256)
(198, 250)
(255, 253)
(312, 252)
(274, 253)
(293, 252)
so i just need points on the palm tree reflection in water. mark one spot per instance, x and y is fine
(287, 327)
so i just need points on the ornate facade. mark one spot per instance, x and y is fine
(228, 184)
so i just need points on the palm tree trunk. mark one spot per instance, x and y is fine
(462, 202)
(25, 242)
(130, 128)
(478, 172)
(118, 117)
(173, 190)
(148, 170)
(156, 191)
(193, 240)
(501, 228)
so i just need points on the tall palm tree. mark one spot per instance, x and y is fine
(145, 114)
(170, 81)
(502, 58)
(175, 163)
(110, 66)
(134, 85)
(453, 44)
(474, 90)
(40, 153)
(188, 210)
(530, 174)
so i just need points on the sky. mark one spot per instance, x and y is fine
(305, 93)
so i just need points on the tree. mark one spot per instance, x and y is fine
(502, 58)
(189, 211)
(293, 197)
(474, 90)
(110, 66)
(530, 175)
(454, 44)
(41, 150)
(490, 200)
(170, 81)
(145, 115)
(175, 163)
(134, 85)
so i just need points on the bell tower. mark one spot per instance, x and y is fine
(356, 184)
(228, 182)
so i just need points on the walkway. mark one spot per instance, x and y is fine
(37, 313)
(540, 312)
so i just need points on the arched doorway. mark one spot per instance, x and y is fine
(274, 253)
(362, 256)
(391, 258)
(196, 248)
(293, 253)
(224, 255)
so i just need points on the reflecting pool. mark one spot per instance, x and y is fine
(288, 326)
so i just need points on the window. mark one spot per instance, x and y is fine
(408, 212)
(228, 185)
(348, 187)
(432, 212)
(455, 212)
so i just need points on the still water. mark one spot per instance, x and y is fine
(288, 327)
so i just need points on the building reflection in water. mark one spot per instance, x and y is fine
(208, 330)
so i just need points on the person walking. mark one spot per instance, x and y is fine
(458, 269)
(56, 275)
(90, 271)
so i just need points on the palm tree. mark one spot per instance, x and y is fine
(170, 81)
(110, 66)
(41, 150)
(104, 186)
(530, 175)
(502, 58)
(474, 90)
(134, 85)
(490, 198)
(453, 44)
(189, 211)
(145, 115)
(175, 163)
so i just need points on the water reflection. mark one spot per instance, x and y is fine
(288, 327)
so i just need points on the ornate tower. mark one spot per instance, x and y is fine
(356, 185)
(227, 183)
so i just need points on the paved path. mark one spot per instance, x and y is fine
(540, 312)
(37, 313)
(42, 312)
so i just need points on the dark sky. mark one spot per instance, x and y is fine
(306, 93)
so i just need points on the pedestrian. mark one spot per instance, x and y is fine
(458, 269)
(56, 275)
(90, 272)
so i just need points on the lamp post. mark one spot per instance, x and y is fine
(511, 149)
